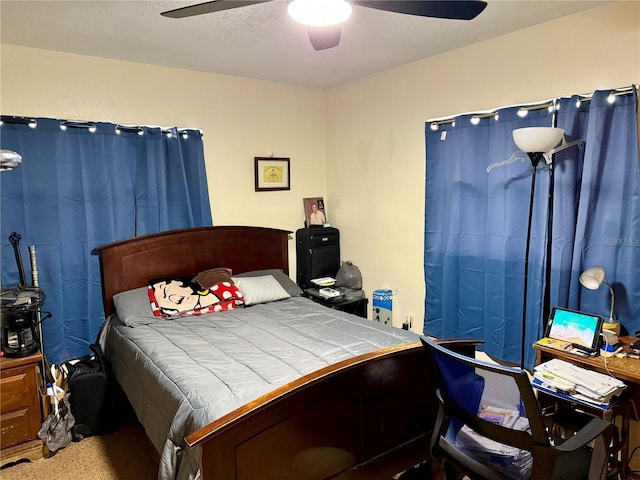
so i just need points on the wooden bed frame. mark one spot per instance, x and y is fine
(366, 417)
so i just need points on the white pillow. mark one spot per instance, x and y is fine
(260, 289)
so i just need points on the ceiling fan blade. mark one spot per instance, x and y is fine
(452, 9)
(208, 7)
(324, 37)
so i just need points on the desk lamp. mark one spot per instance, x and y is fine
(592, 278)
(536, 142)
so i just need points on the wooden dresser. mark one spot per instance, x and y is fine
(20, 408)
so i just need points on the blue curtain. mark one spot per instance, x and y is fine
(83, 185)
(607, 206)
(476, 221)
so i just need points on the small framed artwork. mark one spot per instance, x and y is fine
(272, 174)
(314, 211)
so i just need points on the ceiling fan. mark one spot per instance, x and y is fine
(324, 32)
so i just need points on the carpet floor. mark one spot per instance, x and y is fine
(123, 454)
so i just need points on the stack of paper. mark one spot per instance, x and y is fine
(581, 384)
(324, 282)
(509, 460)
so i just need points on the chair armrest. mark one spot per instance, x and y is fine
(447, 342)
(464, 346)
(590, 431)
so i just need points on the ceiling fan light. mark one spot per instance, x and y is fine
(319, 13)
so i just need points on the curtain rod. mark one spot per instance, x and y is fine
(616, 92)
(490, 113)
(478, 116)
(12, 119)
(18, 120)
(435, 122)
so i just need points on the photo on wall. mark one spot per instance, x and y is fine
(272, 174)
(314, 211)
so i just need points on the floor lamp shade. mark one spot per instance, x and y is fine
(537, 139)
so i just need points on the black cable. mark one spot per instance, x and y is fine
(42, 319)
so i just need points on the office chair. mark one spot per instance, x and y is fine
(489, 425)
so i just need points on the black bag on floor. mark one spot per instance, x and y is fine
(90, 398)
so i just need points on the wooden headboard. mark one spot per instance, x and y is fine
(131, 263)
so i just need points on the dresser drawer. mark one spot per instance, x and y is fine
(20, 406)
(15, 428)
(14, 390)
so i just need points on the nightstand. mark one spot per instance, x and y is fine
(356, 307)
(20, 408)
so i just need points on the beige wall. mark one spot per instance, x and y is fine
(241, 119)
(375, 129)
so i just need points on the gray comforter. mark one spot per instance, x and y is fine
(181, 374)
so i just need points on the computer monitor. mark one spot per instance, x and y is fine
(580, 329)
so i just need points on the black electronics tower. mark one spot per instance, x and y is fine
(317, 254)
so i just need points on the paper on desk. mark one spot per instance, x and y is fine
(570, 397)
(594, 385)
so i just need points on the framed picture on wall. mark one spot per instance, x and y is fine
(272, 174)
(314, 211)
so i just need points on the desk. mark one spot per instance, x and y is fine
(626, 369)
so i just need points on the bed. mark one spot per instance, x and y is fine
(268, 389)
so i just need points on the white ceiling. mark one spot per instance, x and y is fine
(258, 41)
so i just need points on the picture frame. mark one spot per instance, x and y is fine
(314, 211)
(272, 174)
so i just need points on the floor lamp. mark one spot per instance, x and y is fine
(536, 142)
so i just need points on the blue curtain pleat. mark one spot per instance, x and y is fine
(476, 222)
(78, 188)
(608, 217)
(475, 232)
(573, 115)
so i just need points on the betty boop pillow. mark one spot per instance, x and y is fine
(180, 296)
